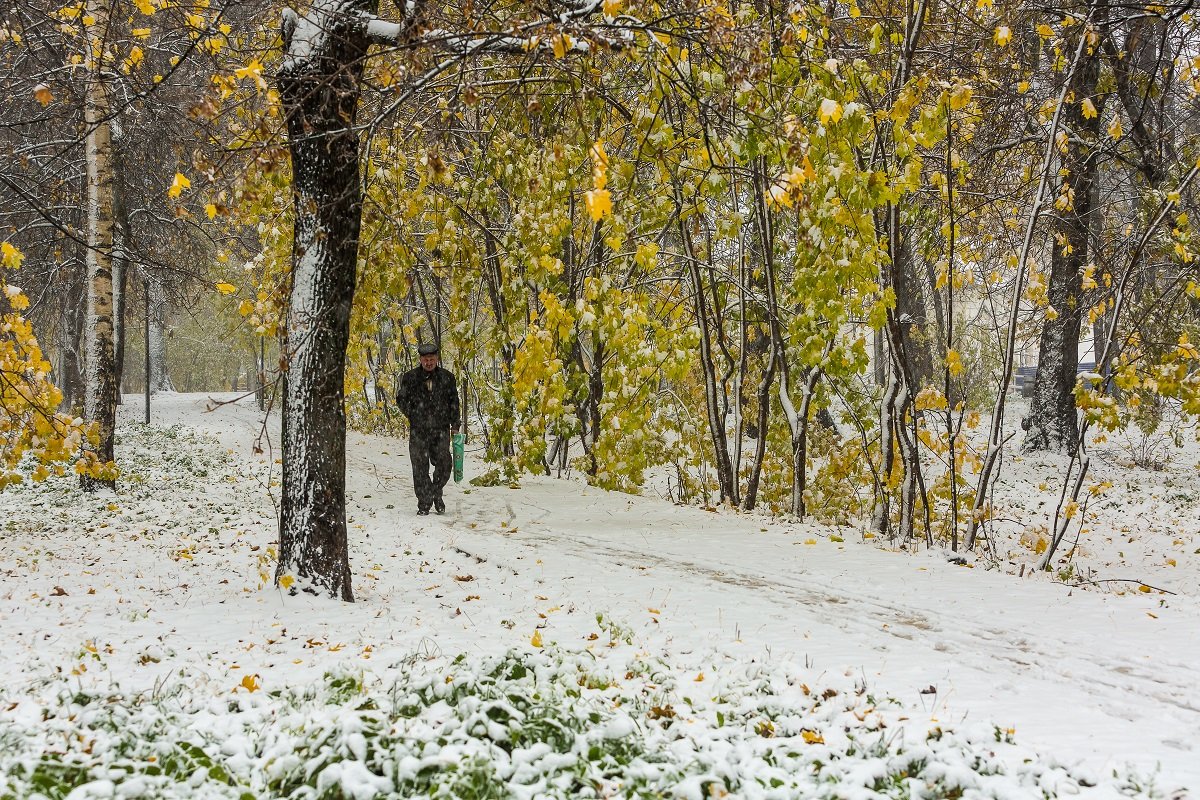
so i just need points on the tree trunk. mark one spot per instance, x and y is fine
(319, 85)
(764, 249)
(726, 480)
(70, 340)
(1053, 422)
(916, 331)
(160, 380)
(100, 388)
(120, 268)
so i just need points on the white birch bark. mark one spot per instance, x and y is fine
(100, 397)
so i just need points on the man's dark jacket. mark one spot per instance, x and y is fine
(429, 399)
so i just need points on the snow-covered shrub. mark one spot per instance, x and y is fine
(546, 724)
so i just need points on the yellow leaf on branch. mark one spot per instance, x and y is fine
(178, 185)
(254, 71)
(226, 288)
(599, 204)
(562, 44)
(10, 256)
(1114, 129)
(829, 111)
(954, 363)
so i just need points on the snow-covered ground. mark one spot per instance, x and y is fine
(167, 583)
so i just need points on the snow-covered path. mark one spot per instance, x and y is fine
(1088, 674)
(1093, 679)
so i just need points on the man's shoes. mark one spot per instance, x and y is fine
(424, 512)
(439, 505)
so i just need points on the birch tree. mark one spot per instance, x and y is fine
(100, 386)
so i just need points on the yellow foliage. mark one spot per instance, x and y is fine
(829, 111)
(954, 363)
(562, 44)
(30, 425)
(599, 204)
(930, 398)
(254, 71)
(178, 185)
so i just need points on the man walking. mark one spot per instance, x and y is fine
(428, 396)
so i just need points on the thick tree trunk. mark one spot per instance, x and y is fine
(1053, 422)
(319, 85)
(917, 333)
(100, 388)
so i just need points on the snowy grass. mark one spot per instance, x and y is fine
(545, 724)
(150, 657)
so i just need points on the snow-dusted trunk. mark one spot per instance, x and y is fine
(897, 404)
(160, 380)
(320, 84)
(797, 420)
(892, 404)
(1062, 519)
(996, 437)
(881, 515)
(100, 388)
(1053, 423)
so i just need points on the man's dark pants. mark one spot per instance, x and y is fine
(425, 448)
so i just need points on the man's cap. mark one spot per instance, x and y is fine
(427, 349)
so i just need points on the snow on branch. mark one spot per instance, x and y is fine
(386, 33)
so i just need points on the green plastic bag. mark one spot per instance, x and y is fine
(459, 445)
